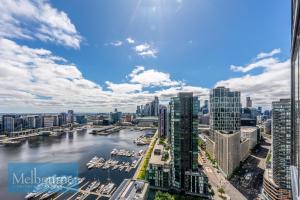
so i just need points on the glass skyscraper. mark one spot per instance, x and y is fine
(225, 108)
(295, 97)
(184, 144)
(281, 140)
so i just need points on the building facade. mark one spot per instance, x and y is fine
(48, 121)
(70, 116)
(295, 96)
(163, 122)
(228, 151)
(281, 141)
(184, 144)
(248, 102)
(225, 109)
(159, 168)
(225, 122)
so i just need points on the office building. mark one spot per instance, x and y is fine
(155, 106)
(186, 177)
(248, 102)
(149, 109)
(281, 141)
(115, 116)
(81, 119)
(62, 118)
(163, 122)
(38, 121)
(48, 121)
(225, 122)
(8, 122)
(225, 110)
(204, 109)
(295, 97)
(70, 116)
(278, 178)
(227, 150)
(31, 122)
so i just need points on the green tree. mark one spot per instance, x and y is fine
(221, 191)
(163, 196)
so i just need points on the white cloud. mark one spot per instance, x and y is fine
(257, 64)
(270, 85)
(142, 47)
(152, 77)
(36, 80)
(116, 43)
(269, 54)
(124, 87)
(130, 40)
(37, 20)
(146, 50)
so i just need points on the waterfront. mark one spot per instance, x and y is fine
(79, 149)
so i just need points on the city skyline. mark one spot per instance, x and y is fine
(125, 62)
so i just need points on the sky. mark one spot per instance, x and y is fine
(94, 56)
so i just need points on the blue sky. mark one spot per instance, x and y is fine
(183, 45)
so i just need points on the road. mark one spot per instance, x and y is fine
(249, 179)
(217, 180)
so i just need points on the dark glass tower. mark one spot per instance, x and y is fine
(184, 142)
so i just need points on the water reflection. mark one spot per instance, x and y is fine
(79, 148)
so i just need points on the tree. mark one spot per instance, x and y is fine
(221, 191)
(163, 196)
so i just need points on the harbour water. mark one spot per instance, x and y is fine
(80, 148)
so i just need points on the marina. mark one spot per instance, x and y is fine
(100, 163)
(80, 149)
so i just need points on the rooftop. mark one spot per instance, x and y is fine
(131, 189)
(156, 158)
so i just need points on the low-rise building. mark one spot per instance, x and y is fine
(147, 121)
(131, 190)
(159, 168)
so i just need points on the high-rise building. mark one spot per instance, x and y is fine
(31, 122)
(186, 175)
(48, 121)
(8, 122)
(225, 122)
(62, 118)
(225, 110)
(38, 121)
(281, 130)
(248, 102)
(163, 122)
(115, 116)
(156, 106)
(149, 109)
(70, 116)
(277, 179)
(295, 98)
(81, 119)
(204, 109)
